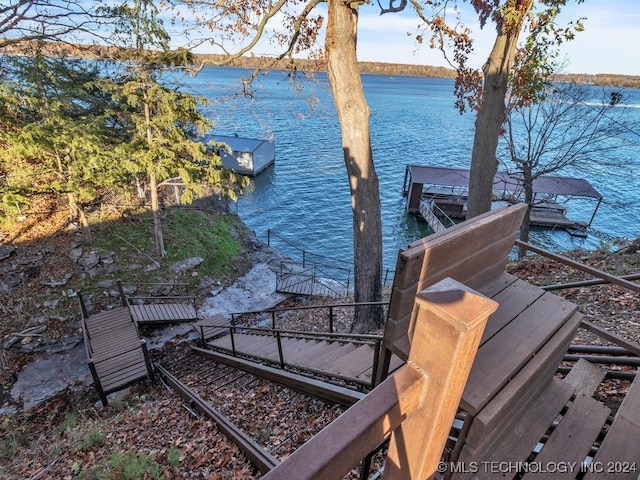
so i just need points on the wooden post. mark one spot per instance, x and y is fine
(449, 323)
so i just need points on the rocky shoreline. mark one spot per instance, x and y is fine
(45, 354)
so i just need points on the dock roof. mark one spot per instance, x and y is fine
(545, 184)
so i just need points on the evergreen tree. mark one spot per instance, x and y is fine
(54, 131)
(162, 126)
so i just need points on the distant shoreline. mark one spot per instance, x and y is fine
(380, 68)
(304, 65)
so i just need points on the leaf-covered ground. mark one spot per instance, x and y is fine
(150, 434)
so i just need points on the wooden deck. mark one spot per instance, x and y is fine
(163, 313)
(159, 308)
(116, 354)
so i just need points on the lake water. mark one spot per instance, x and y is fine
(304, 196)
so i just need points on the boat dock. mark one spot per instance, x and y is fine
(440, 195)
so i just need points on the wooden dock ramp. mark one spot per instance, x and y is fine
(116, 354)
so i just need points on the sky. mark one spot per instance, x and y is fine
(609, 43)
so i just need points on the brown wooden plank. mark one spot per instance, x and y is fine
(105, 328)
(630, 408)
(213, 321)
(496, 284)
(471, 270)
(491, 226)
(163, 312)
(516, 444)
(355, 362)
(106, 350)
(114, 364)
(499, 359)
(250, 343)
(254, 344)
(123, 377)
(108, 315)
(325, 360)
(513, 300)
(291, 348)
(585, 377)
(317, 348)
(238, 338)
(571, 440)
(619, 455)
(515, 396)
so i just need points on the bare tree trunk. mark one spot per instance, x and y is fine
(491, 116)
(84, 223)
(526, 221)
(73, 206)
(353, 114)
(76, 211)
(155, 208)
(153, 186)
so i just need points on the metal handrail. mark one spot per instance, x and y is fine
(358, 339)
(274, 311)
(312, 273)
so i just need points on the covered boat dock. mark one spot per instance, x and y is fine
(442, 192)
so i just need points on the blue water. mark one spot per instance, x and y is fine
(305, 197)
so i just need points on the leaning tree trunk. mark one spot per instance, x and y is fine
(491, 116)
(353, 114)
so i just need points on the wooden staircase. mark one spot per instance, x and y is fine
(116, 354)
(341, 358)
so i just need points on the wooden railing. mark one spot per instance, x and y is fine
(415, 407)
(601, 277)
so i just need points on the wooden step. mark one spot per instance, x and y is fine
(328, 359)
(355, 362)
(513, 300)
(316, 349)
(293, 346)
(514, 443)
(619, 455)
(571, 441)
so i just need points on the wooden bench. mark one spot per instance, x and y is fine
(116, 354)
(522, 344)
(158, 308)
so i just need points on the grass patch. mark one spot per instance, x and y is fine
(215, 237)
(130, 466)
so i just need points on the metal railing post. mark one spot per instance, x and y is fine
(280, 354)
(376, 361)
(331, 319)
(273, 319)
(233, 341)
